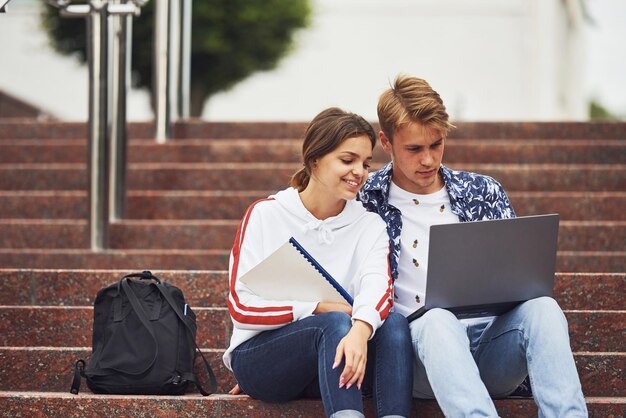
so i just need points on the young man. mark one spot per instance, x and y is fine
(461, 363)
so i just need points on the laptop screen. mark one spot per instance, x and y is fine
(482, 268)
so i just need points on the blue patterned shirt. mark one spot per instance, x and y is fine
(473, 197)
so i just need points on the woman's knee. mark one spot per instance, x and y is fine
(395, 329)
(396, 320)
(335, 322)
(395, 323)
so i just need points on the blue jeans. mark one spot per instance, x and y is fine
(295, 361)
(464, 367)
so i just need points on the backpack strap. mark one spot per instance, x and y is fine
(170, 300)
(118, 315)
(144, 275)
(79, 371)
(143, 317)
(79, 366)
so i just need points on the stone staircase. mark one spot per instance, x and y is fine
(184, 202)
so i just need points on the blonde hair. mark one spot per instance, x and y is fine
(326, 132)
(411, 99)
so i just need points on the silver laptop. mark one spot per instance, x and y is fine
(486, 268)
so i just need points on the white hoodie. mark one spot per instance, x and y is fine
(352, 246)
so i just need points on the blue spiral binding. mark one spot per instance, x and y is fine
(322, 271)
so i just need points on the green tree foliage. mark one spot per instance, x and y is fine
(598, 112)
(231, 39)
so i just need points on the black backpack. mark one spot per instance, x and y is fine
(144, 340)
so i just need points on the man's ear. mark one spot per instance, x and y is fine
(384, 142)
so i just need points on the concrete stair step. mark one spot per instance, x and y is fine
(219, 234)
(46, 369)
(275, 176)
(571, 205)
(196, 129)
(30, 129)
(567, 261)
(117, 259)
(200, 184)
(178, 151)
(62, 326)
(18, 287)
(590, 261)
(502, 151)
(205, 288)
(155, 204)
(181, 235)
(63, 405)
(50, 369)
(44, 204)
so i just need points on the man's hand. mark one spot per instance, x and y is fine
(353, 347)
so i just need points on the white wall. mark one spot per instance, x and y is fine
(32, 71)
(606, 54)
(489, 59)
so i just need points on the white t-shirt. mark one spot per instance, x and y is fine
(419, 212)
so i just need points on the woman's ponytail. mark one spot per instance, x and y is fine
(300, 179)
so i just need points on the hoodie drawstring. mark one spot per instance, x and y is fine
(324, 234)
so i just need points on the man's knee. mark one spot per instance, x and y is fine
(543, 311)
(544, 304)
(436, 323)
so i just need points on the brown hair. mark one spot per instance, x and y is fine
(411, 99)
(326, 132)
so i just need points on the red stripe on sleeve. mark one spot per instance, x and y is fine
(260, 320)
(251, 319)
(388, 296)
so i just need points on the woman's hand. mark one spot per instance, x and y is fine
(236, 390)
(324, 307)
(353, 347)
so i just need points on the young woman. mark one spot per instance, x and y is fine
(282, 350)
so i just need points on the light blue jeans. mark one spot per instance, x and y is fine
(464, 367)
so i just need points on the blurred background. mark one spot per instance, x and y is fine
(491, 60)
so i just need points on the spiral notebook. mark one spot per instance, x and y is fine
(291, 273)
